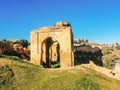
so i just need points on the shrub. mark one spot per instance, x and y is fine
(6, 76)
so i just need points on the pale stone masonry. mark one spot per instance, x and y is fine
(54, 43)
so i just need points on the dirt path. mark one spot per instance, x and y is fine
(103, 70)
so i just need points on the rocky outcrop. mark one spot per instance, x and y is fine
(22, 52)
(15, 50)
(83, 54)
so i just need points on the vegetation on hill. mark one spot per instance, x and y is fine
(17, 48)
(110, 55)
(85, 53)
(23, 42)
(20, 75)
(111, 52)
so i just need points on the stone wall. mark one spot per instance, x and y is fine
(52, 43)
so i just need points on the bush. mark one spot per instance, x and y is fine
(107, 50)
(6, 76)
(56, 65)
(110, 54)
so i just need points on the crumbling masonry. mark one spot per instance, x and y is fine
(54, 43)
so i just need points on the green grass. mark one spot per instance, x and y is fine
(20, 75)
(6, 76)
(86, 83)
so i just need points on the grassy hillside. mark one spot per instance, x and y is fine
(19, 75)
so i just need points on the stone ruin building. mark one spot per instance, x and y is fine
(52, 44)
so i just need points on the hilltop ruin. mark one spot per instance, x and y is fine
(52, 44)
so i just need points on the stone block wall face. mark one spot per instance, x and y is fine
(42, 37)
(66, 52)
(35, 56)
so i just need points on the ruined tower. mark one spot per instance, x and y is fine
(53, 43)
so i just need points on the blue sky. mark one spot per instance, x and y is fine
(96, 20)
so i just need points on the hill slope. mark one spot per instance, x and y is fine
(19, 75)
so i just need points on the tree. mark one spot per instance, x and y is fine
(23, 42)
(4, 40)
(117, 44)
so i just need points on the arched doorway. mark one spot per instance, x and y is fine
(54, 54)
(50, 52)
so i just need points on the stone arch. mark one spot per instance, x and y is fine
(59, 36)
(50, 52)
